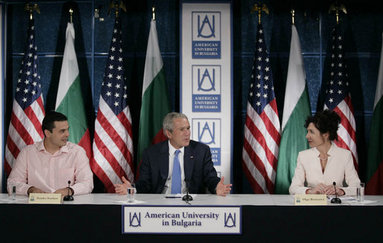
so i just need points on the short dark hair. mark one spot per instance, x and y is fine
(50, 118)
(325, 121)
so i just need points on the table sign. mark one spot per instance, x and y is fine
(45, 198)
(310, 199)
(181, 219)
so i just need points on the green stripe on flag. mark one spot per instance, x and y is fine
(72, 106)
(375, 152)
(292, 142)
(155, 105)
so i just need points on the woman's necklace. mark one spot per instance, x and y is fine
(323, 161)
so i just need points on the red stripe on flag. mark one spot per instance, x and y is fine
(35, 121)
(100, 173)
(160, 136)
(341, 143)
(253, 183)
(258, 163)
(85, 143)
(41, 104)
(270, 128)
(375, 184)
(349, 103)
(19, 127)
(125, 122)
(104, 122)
(109, 156)
(346, 123)
(7, 167)
(261, 140)
(128, 128)
(12, 147)
(273, 105)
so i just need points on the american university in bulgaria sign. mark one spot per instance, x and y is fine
(181, 219)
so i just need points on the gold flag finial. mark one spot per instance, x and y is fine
(259, 9)
(292, 16)
(336, 7)
(154, 13)
(116, 5)
(30, 8)
(71, 15)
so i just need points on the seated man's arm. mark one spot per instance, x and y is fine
(222, 189)
(144, 182)
(122, 189)
(19, 176)
(214, 183)
(83, 176)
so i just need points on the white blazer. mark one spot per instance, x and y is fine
(339, 168)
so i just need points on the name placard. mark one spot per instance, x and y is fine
(45, 198)
(181, 219)
(310, 199)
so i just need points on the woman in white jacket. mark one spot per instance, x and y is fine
(324, 163)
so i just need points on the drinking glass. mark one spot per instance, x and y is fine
(131, 193)
(360, 192)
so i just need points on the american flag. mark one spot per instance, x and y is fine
(262, 128)
(28, 107)
(338, 96)
(113, 146)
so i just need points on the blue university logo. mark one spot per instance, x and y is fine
(206, 88)
(230, 220)
(134, 219)
(206, 27)
(206, 79)
(208, 131)
(206, 34)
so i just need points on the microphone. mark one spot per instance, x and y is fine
(336, 199)
(68, 197)
(187, 197)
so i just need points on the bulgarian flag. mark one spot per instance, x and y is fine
(155, 102)
(69, 99)
(374, 167)
(295, 111)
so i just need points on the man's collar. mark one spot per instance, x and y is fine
(172, 150)
(41, 147)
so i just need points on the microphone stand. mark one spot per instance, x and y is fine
(187, 197)
(68, 197)
(336, 199)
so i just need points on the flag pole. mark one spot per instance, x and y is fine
(71, 15)
(292, 16)
(153, 13)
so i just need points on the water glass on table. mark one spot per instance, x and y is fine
(360, 192)
(131, 192)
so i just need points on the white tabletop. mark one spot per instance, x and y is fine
(200, 199)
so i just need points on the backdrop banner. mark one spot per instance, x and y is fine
(206, 78)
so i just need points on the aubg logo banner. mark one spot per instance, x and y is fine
(206, 78)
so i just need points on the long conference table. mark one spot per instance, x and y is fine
(265, 218)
